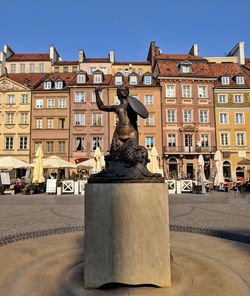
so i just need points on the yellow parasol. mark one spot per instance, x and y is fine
(38, 167)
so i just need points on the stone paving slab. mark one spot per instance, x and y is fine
(53, 266)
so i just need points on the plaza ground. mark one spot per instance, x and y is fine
(220, 211)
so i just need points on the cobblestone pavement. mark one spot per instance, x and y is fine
(215, 210)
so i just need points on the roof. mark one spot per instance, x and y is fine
(132, 63)
(96, 60)
(28, 57)
(173, 56)
(232, 70)
(61, 63)
(247, 63)
(31, 79)
(170, 68)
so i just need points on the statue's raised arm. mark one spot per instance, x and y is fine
(99, 101)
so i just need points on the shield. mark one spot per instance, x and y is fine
(138, 107)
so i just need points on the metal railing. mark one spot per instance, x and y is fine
(189, 149)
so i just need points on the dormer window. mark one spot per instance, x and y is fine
(133, 79)
(225, 80)
(118, 80)
(147, 79)
(58, 84)
(47, 85)
(97, 78)
(81, 78)
(185, 69)
(240, 79)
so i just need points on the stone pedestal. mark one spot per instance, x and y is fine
(126, 234)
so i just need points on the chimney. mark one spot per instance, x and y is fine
(82, 56)
(2, 63)
(194, 50)
(112, 56)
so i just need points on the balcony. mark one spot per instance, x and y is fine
(189, 150)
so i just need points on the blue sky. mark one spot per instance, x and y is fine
(97, 26)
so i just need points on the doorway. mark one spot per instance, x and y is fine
(190, 171)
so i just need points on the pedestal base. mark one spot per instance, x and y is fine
(126, 235)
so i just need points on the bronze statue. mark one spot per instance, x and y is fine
(127, 160)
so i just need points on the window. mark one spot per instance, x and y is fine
(79, 144)
(240, 80)
(10, 99)
(98, 78)
(147, 80)
(61, 123)
(93, 97)
(32, 68)
(116, 100)
(96, 142)
(186, 69)
(223, 118)
(96, 119)
(224, 139)
(74, 68)
(39, 103)
(24, 118)
(58, 85)
(238, 99)
(10, 118)
(204, 140)
(240, 139)
(92, 70)
(188, 140)
(39, 123)
(79, 119)
(203, 116)
(50, 146)
(133, 79)
(202, 91)
(56, 69)
(227, 169)
(222, 99)
(24, 99)
(62, 103)
(148, 100)
(51, 103)
(23, 142)
(150, 141)
(22, 68)
(37, 145)
(225, 80)
(47, 85)
(118, 80)
(61, 146)
(239, 118)
(171, 116)
(186, 91)
(187, 116)
(81, 78)
(104, 70)
(50, 123)
(9, 143)
(171, 140)
(41, 68)
(13, 68)
(65, 69)
(170, 91)
(79, 97)
(150, 120)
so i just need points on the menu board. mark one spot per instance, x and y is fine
(51, 186)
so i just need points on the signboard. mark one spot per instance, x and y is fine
(242, 153)
(51, 186)
(5, 178)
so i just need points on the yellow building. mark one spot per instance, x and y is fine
(15, 101)
(232, 112)
(129, 67)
